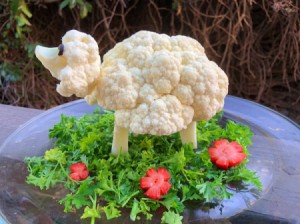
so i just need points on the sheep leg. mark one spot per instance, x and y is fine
(120, 140)
(189, 135)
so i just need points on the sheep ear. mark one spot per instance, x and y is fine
(50, 59)
(45, 54)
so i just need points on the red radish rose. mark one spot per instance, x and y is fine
(226, 154)
(156, 184)
(78, 171)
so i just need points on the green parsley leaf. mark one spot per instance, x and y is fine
(55, 155)
(171, 217)
(111, 210)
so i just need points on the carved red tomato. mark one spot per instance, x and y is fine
(156, 183)
(78, 171)
(226, 154)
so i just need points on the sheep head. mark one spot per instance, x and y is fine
(76, 63)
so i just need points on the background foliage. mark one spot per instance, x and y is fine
(257, 43)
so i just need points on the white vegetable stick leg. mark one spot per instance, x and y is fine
(189, 135)
(120, 140)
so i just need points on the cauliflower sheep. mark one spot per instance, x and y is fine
(156, 84)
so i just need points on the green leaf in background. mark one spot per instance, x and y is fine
(20, 15)
(64, 4)
(14, 6)
(24, 9)
(84, 6)
(9, 72)
(22, 21)
(30, 47)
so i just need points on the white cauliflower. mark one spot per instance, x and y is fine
(77, 66)
(156, 84)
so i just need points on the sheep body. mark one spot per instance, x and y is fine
(159, 84)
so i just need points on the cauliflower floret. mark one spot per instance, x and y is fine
(163, 71)
(184, 93)
(186, 44)
(210, 89)
(147, 94)
(164, 116)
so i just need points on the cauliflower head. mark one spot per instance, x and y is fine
(159, 84)
(76, 63)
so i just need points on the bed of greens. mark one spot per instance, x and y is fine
(102, 184)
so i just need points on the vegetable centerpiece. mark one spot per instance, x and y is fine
(156, 84)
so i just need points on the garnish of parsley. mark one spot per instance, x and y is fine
(115, 179)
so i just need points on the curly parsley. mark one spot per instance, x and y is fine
(114, 180)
